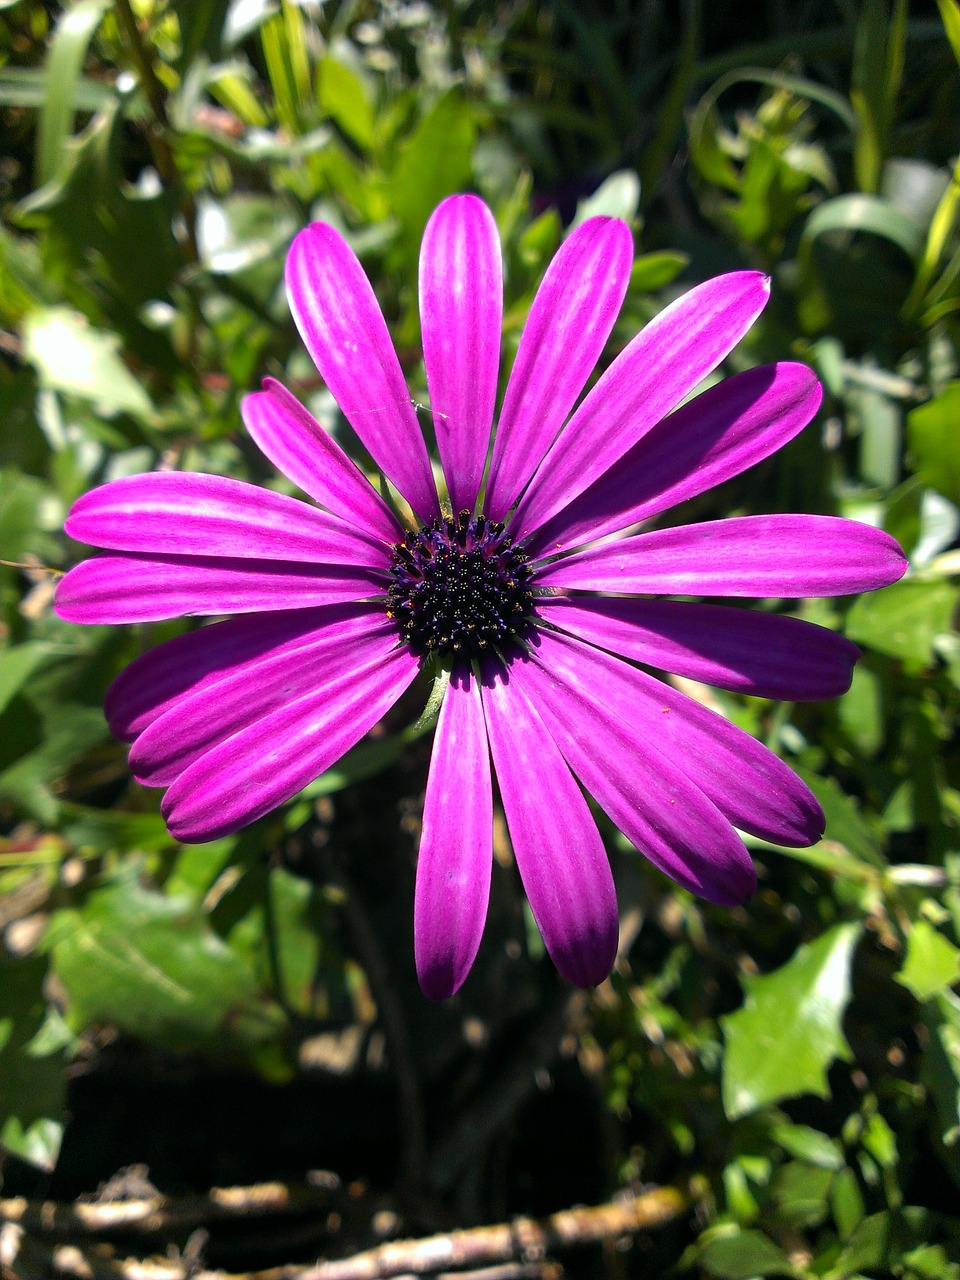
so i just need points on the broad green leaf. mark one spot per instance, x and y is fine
(932, 437)
(434, 162)
(932, 962)
(151, 965)
(904, 620)
(32, 1079)
(73, 357)
(744, 1255)
(788, 1032)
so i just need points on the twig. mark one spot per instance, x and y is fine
(164, 1213)
(525, 1240)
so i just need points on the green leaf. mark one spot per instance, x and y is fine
(802, 1192)
(782, 1041)
(652, 271)
(73, 357)
(932, 962)
(808, 1144)
(17, 665)
(846, 827)
(904, 620)
(151, 965)
(940, 1070)
(32, 1080)
(616, 197)
(932, 436)
(434, 162)
(67, 52)
(343, 97)
(746, 1254)
(950, 14)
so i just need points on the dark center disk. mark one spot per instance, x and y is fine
(460, 587)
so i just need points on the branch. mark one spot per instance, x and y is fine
(525, 1241)
(162, 1213)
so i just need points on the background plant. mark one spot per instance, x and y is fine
(798, 1058)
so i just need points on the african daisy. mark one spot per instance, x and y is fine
(513, 587)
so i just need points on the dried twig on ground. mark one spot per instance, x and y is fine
(525, 1242)
(164, 1213)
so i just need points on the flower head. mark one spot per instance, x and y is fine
(540, 618)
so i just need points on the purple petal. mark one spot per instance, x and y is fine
(570, 320)
(299, 447)
(188, 514)
(456, 848)
(762, 654)
(712, 438)
(131, 588)
(461, 309)
(267, 763)
(783, 556)
(343, 328)
(162, 677)
(206, 717)
(653, 802)
(746, 782)
(661, 366)
(559, 853)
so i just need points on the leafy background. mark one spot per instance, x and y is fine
(248, 1009)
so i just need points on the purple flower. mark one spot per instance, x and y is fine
(541, 628)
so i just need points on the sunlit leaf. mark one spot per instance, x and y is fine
(71, 356)
(788, 1032)
(904, 620)
(152, 966)
(932, 962)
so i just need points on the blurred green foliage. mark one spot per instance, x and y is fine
(802, 1054)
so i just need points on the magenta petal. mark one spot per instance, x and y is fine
(461, 309)
(162, 677)
(746, 782)
(131, 588)
(652, 801)
(559, 853)
(660, 367)
(343, 328)
(187, 514)
(299, 447)
(762, 654)
(569, 323)
(456, 847)
(710, 439)
(266, 764)
(197, 723)
(783, 556)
